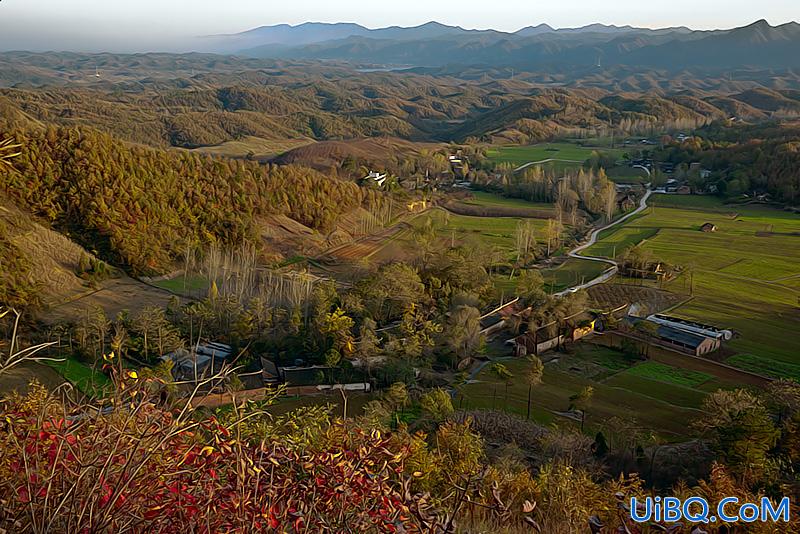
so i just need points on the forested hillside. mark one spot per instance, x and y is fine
(746, 159)
(142, 208)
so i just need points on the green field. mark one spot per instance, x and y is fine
(770, 368)
(567, 154)
(627, 175)
(656, 389)
(482, 198)
(572, 272)
(745, 274)
(667, 373)
(184, 284)
(83, 377)
(651, 409)
(496, 231)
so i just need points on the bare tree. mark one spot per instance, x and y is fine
(15, 355)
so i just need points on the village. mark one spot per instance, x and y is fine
(508, 331)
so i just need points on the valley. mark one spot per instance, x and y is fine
(454, 297)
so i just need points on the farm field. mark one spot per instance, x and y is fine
(627, 175)
(484, 204)
(618, 392)
(495, 231)
(568, 153)
(482, 198)
(744, 275)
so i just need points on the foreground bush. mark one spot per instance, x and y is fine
(141, 469)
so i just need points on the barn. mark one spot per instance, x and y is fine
(687, 341)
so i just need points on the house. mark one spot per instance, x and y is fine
(530, 343)
(459, 165)
(651, 271)
(527, 343)
(203, 361)
(310, 379)
(495, 320)
(708, 228)
(586, 328)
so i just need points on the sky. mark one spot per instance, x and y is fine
(152, 25)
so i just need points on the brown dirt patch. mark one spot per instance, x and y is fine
(113, 296)
(608, 297)
(19, 378)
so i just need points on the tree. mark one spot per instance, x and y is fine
(15, 355)
(502, 373)
(156, 331)
(417, 334)
(740, 429)
(552, 235)
(648, 330)
(525, 239)
(437, 405)
(390, 291)
(337, 327)
(581, 401)
(533, 377)
(530, 287)
(397, 397)
(463, 333)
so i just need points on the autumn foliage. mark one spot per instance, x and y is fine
(139, 468)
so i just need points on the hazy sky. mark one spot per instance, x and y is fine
(119, 25)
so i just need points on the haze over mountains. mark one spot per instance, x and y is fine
(434, 45)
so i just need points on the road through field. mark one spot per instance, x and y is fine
(614, 266)
(530, 163)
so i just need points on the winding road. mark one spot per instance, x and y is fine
(614, 266)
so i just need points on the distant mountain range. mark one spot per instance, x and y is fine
(435, 45)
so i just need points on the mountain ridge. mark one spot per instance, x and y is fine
(434, 44)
